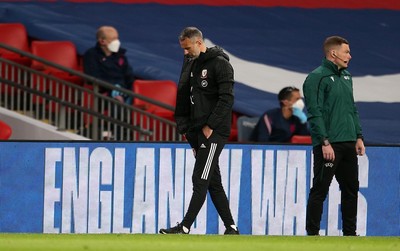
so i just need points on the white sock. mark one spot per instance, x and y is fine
(234, 227)
(185, 229)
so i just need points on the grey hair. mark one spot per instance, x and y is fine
(190, 32)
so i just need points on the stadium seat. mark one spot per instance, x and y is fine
(245, 127)
(301, 139)
(14, 35)
(59, 52)
(160, 90)
(5, 131)
(234, 132)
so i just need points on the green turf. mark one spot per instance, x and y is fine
(148, 242)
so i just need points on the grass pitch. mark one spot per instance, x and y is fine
(149, 242)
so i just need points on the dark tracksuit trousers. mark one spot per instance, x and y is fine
(345, 169)
(207, 177)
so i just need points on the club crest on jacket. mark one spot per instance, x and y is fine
(204, 73)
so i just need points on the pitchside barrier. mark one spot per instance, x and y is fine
(106, 187)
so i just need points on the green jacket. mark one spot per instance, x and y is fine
(331, 110)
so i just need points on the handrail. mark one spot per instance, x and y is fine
(87, 78)
(83, 110)
(77, 107)
(109, 99)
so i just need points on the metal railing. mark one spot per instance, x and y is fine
(71, 101)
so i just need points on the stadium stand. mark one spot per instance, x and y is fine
(53, 91)
(283, 49)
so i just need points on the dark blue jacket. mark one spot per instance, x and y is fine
(273, 127)
(114, 69)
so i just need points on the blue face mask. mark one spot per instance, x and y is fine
(300, 114)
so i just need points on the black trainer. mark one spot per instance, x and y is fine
(178, 229)
(230, 230)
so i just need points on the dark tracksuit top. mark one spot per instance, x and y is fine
(208, 100)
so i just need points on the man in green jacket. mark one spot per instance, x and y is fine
(336, 135)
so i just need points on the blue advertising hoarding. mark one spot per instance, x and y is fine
(98, 187)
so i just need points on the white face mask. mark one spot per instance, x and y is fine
(114, 45)
(299, 104)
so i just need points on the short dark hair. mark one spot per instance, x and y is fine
(286, 93)
(333, 41)
(190, 32)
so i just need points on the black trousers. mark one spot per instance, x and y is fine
(345, 169)
(207, 177)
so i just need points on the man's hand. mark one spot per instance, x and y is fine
(360, 148)
(328, 152)
(119, 98)
(207, 131)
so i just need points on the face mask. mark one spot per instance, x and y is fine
(299, 104)
(114, 45)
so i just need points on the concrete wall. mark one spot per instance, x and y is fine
(26, 128)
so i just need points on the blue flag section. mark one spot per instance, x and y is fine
(89, 187)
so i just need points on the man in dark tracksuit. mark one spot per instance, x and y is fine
(203, 115)
(336, 135)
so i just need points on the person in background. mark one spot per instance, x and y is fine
(280, 124)
(203, 114)
(336, 135)
(107, 61)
